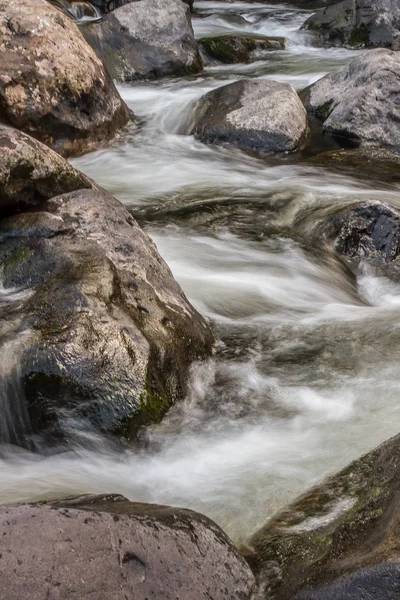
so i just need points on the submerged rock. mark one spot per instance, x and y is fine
(361, 102)
(113, 335)
(30, 172)
(108, 547)
(358, 23)
(266, 116)
(366, 230)
(134, 46)
(52, 85)
(238, 49)
(339, 540)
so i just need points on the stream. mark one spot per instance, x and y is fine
(306, 374)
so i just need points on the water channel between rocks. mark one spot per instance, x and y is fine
(306, 377)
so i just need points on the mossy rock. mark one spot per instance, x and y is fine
(337, 528)
(238, 49)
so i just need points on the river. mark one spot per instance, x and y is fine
(306, 376)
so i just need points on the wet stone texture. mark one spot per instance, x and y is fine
(52, 84)
(337, 541)
(113, 335)
(107, 548)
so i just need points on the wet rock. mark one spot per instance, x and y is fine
(339, 540)
(100, 352)
(266, 116)
(52, 85)
(361, 102)
(358, 23)
(108, 547)
(107, 6)
(30, 172)
(133, 46)
(238, 49)
(366, 230)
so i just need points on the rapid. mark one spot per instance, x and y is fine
(305, 376)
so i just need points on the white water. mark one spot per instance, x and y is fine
(307, 374)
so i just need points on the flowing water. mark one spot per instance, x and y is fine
(306, 376)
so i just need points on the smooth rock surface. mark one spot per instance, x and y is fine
(358, 23)
(52, 85)
(266, 116)
(108, 548)
(112, 334)
(339, 541)
(361, 102)
(146, 40)
(30, 172)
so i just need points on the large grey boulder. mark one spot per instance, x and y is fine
(30, 172)
(358, 23)
(361, 102)
(146, 39)
(339, 541)
(107, 548)
(112, 336)
(52, 84)
(266, 116)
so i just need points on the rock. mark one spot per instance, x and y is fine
(358, 23)
(52, 85)
(238, 49)
(107, 6)
(339, 540)
(134, 46)
(361, 102)
(107, 547)
(256, 115)
(112, 334)
(30, 172)
(367, 230)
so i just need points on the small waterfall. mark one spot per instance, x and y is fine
(14, 417)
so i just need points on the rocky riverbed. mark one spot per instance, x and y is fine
(199, 283)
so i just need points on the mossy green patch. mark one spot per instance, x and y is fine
(359, 37)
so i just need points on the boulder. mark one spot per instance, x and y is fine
(266, 116)
(30, 172)
(358, 23)
(339, 540)
(107, 6)
(112, 336)
(238, 49)
(361, 102)
(367, 230)
(134, 46)
(52, 85)
(107, 548)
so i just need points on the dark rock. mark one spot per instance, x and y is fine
(107, 6)
(361, 102)
(52, 85)
(107, 547)
(336, 541)
(238, 49)
(30, 172)
(257, 115)
(100, 350)
(358, 23)
(135, 46)
(366, 230)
